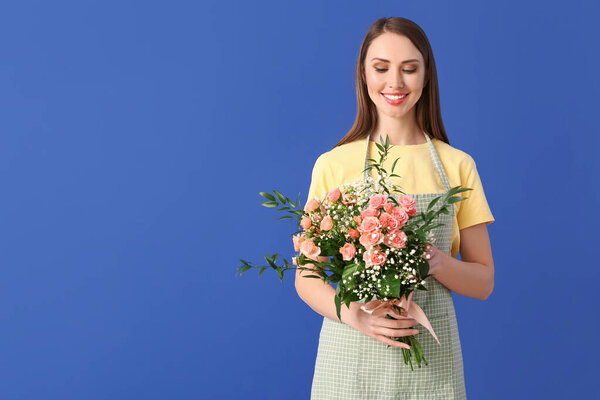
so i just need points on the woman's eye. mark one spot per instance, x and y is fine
(409, 71)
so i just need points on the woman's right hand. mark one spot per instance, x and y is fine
(377, 326)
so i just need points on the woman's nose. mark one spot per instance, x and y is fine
(396, 82)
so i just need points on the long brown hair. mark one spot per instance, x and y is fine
(427, 109)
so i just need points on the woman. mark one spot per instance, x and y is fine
(397, 94)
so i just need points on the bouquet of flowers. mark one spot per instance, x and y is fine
(366, 239)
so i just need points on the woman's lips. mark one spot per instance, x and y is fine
(395, 102)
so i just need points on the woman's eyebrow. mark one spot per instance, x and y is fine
(405, 61)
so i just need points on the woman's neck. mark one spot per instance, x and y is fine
(401, 132)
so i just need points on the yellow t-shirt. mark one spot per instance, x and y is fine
(345, 163)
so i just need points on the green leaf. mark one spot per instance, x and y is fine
(261, 270)
(267, 196)
(444, 211)
(280, 197)
(349, 270)
(456, 199)
(423, 268)
(338, 305)
(270, 204)
(432, 203)
(285, 217)
(432, 227)
(312, 276)
(458, 189)
(394, 164)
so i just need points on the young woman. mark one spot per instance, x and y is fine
(397, 94)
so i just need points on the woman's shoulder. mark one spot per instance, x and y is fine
(342, 154)
(451, 155)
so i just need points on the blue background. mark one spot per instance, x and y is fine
(135, 136)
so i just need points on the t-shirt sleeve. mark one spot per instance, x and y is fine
(321, 180)
(475, 209)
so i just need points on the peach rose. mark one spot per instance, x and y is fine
(392, 224)
(297, 239)
(409, 204)
(388, 207)
(378, 201)
(384, 218)
(326, 223)
(334, 195)
(311, 205)
(369, 224)
(353, 233)
(396, 239)
(305, 222)
(310, 249)
(371, 239)
(348, 251)
(369, 212)
(374, 256)
(401, 215)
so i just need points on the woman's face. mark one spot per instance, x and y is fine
(394, 66)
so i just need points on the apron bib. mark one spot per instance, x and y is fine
(353, 366)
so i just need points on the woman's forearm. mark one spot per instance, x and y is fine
(469, 279)
(319, 295)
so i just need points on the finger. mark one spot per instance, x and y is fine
(395, 332)
(391, 342)
(395, 324)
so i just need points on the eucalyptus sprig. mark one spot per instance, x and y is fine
(383, 147)
(284, 203)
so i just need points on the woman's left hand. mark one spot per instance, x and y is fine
(435, 257)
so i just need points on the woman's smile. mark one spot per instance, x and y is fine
(394, 99)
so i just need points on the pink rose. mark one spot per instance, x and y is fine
(371, 239)
(310, 249)
(384, 218)
(401, 216)
(374, 256)
(369, 212)
(297, 239)
(357, 219)
(409, 204)
(392, 224)
(377, 201)
(334, 195)
(388, 207)
(305, 222)
(326, 223)
(353, 233)
(369, 224)
(311, 205)
(396, 239)
(348, 251)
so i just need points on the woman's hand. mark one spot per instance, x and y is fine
(377, 326)
(435, 257)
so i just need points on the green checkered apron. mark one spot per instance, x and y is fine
(353, 366)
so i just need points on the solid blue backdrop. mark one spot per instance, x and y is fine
(136, 135)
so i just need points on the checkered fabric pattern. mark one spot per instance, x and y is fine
(353, 366)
